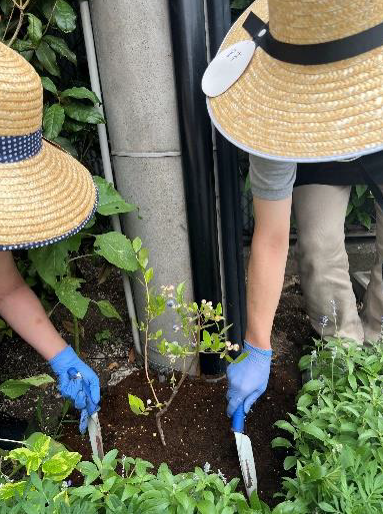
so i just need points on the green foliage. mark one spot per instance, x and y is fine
(337, 433)
(69, 114)
(124, 485)
(360, 209)
(14, 388)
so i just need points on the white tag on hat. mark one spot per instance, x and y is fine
(226, 68)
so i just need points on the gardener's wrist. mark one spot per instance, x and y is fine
(66, 352)
(255, 351)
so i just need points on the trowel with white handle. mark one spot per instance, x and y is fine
(245, 451)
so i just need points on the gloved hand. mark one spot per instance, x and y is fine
(248, 379)
(73, 388)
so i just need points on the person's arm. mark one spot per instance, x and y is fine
(22, 310)
(272, 185)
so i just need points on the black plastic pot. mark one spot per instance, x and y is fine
(211, 364)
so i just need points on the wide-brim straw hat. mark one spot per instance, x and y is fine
(45, 194)
(304, 113)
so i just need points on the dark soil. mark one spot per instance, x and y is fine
(196, 427)
(19, 360)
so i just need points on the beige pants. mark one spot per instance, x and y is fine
(320, 212)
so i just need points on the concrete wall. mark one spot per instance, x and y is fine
(136, 66)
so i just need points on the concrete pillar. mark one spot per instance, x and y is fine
(135, 60)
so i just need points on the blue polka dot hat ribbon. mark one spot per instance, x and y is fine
(19, 148)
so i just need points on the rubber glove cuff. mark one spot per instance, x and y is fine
(257, 354)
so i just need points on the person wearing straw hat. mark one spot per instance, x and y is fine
(295, 81)
(45, 197)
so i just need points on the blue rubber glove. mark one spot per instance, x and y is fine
(248, 379)
(72, 388)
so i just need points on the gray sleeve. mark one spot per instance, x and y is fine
(271, 180)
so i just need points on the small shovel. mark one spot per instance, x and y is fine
(245, 451)
(94, 428)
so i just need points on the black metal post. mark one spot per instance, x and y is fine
(189, 47)
(219, 15)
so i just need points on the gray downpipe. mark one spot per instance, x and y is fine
(95, 84)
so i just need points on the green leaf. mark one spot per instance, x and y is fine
(67, 293)
(10, 490)
(47, 59)
(149, 274)
(289, 462)
(285, 425)
(35, 29)
(280, 442)
(136, 404)
(352, 382)
(23, 46)
(117, 249)
(51, 261)
(81, 93)
(49, 85)
(17, 387)
(364, 219)
(64, 16)
(89, 471)
(84, 113)
(60, 465)
(53, 121)
(360, 190)
(66, 145)
(206, 507)
(304, 401)
(108, 310)
(110, 201)
(313, 430)
(137, 244)
(312, 385)
(326, 507)
(60, 46)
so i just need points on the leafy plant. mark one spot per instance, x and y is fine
(123, 485)
(37, 30)
(14, 388)
(56, 264)
(202, 326)
(337, 435)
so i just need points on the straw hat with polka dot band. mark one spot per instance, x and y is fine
(45, 194)
(308, 112)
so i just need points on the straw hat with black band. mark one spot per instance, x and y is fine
(313, 89)
(45, 194)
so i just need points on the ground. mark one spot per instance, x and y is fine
(196, 428)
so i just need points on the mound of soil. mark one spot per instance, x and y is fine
(196, 427)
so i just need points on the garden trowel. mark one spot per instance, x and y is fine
(245, 451)
(94, 428)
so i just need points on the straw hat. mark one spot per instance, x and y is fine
(307, 112)
(45, 194)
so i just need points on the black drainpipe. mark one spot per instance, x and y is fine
(189, 48)
(219, 15)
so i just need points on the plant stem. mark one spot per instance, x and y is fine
(12, 441)
(16, 33)
(174, 394)
(76, 334)
(81, 257)
(147, 344)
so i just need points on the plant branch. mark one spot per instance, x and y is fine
(8, 23)
(81, 257)
(18, 28)
(147, 344)
(170, 401)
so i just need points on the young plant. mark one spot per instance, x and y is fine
(202, 326)
(337, 434)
